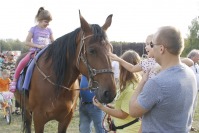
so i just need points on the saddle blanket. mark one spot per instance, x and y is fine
(28, 76)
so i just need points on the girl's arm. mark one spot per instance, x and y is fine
(126, 65)
(52, 38)
(118, 113)
(29, 42)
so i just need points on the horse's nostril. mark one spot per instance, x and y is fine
(106, 94)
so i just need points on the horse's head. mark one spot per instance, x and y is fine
(93, 61)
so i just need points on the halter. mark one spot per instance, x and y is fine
(92, 84)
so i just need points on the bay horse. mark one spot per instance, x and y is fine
(53, 90)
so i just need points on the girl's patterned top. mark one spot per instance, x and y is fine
(150, 64)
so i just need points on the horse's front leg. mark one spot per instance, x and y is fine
(63, 125)
(39, 121)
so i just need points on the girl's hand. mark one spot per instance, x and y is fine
(97, 103)
(145, 76)
(41, 46)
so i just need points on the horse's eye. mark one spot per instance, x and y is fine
(92, 51)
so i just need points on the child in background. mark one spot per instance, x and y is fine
(4, 89)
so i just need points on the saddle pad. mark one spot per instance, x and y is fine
(29, 72)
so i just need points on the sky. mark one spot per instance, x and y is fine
(132, 20)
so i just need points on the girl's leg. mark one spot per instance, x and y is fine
(21, 65)
(18, 70)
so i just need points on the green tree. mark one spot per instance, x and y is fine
(10, 44)
(192, 40)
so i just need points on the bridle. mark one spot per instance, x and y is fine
(91, 72)
(92, 84)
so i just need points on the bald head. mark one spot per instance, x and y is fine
(194, 55)
(171, 38)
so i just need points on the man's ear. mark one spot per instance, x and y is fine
(162, 49)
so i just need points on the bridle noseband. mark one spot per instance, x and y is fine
(91, 72)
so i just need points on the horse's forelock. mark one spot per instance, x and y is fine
(98, 33)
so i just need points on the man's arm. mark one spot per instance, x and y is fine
(136, 110)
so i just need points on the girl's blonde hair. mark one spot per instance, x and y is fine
(132, 57)
(43, 14)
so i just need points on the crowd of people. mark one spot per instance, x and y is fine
(8, 66)
(161, 90)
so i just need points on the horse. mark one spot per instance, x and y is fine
(53, 89)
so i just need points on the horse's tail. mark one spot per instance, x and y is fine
(22, 98)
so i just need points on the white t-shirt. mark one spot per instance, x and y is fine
(116, 69)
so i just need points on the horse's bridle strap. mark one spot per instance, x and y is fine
(47, 78)
(94, 72)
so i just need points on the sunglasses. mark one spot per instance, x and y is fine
(152, 44)
(11, 55)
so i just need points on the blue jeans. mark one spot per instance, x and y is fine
(89, 115)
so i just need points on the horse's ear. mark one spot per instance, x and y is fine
(84, 24)
(107, 23)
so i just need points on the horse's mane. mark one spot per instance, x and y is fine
(62, 51)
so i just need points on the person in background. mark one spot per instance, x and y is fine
(166, 101)
(1, 60)
(194, 56)
(127, 84)
(4, 89)
(38, 37)
(115, 67)
(9, 64)
(88, 113)
(116, 71)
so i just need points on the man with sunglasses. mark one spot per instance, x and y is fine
(166, 100)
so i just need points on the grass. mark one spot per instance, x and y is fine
(51, 127)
